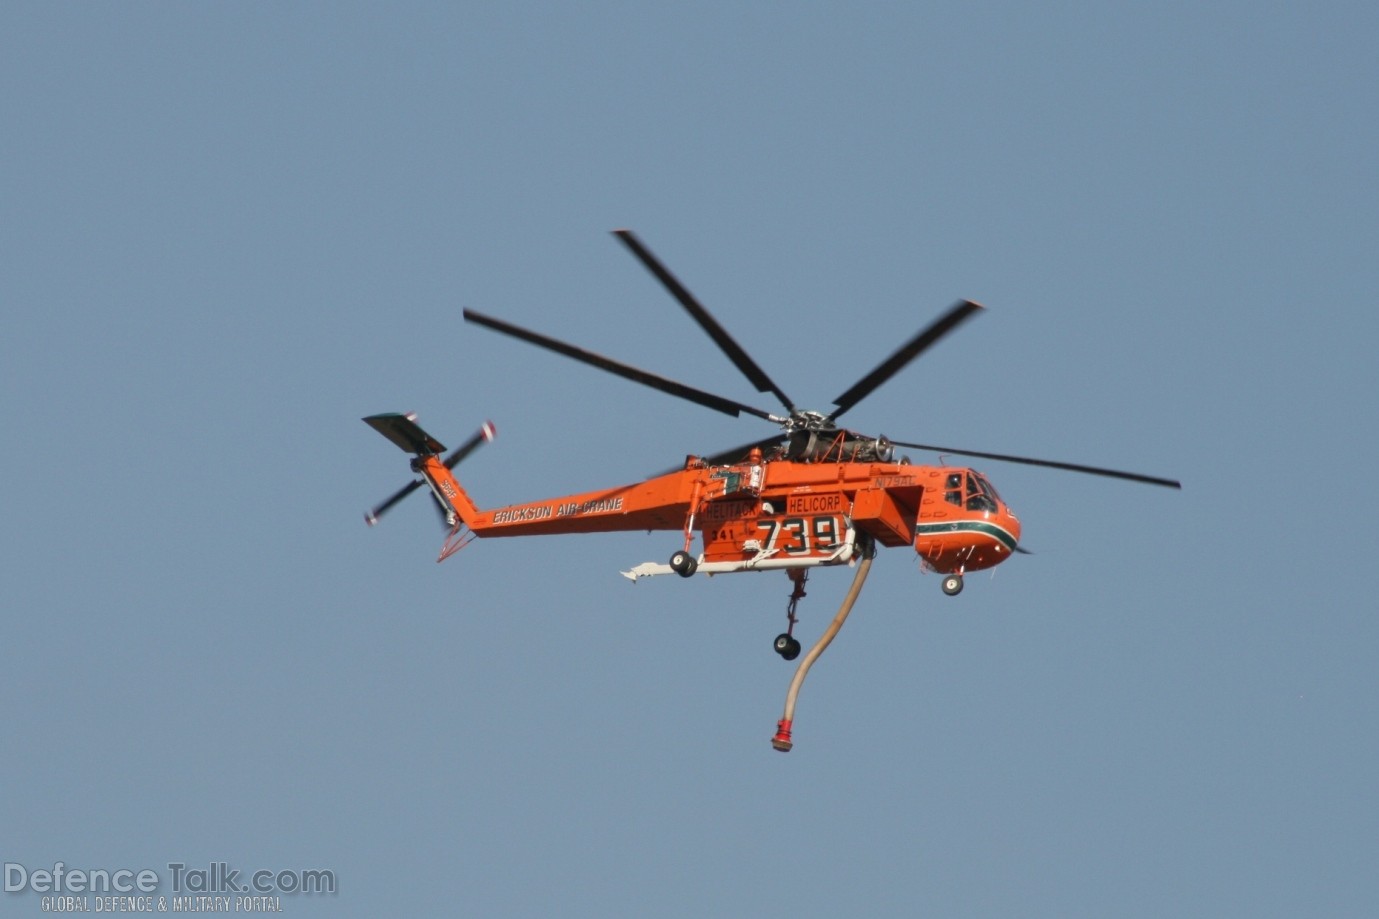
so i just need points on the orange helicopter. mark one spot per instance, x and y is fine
(812, 495)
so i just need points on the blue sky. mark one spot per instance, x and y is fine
(232, 230)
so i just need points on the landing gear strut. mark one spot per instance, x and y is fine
(787, 646)
(682, 562)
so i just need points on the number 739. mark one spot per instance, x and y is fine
(801, 535)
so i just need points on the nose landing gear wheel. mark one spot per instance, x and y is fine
(683, 564)
(952, 585)
(787, 647)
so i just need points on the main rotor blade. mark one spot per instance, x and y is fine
(734, 454)
(720, 336)
(1071, 467)
(699, 396)
(956, 315)
(738, 453)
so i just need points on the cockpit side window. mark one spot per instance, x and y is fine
(953, 494)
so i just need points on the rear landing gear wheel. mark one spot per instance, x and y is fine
(787, 647)
(952, 585)
(683, 564)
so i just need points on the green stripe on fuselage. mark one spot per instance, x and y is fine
(967, 526)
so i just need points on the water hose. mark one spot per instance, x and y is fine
(782, 739)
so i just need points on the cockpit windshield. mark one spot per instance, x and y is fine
(971, 490)
(981, 495)
(987, 486)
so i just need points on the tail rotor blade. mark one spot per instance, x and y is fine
(485, 433)
(371, 517)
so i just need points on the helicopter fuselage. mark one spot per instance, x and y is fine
(765, 514)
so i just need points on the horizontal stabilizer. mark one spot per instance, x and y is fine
(404, 431)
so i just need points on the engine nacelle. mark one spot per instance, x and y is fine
(838, 446)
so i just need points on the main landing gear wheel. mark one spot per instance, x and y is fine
(787, 647)
(952, 585)
(683, 564)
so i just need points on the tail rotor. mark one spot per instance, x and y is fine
(403, 430)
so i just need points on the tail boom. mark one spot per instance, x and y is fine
(447, 490)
